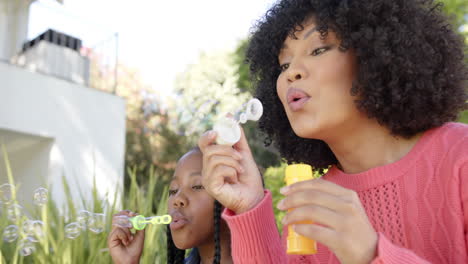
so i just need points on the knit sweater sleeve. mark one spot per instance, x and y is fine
(254, 235)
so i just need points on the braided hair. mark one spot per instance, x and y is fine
(174, 255)
(217, 231)
(177, 256)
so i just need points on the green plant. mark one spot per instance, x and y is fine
(274, 180)
(89, 247)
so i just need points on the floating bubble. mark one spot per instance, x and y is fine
(14, 212)
(27, 226)
(72, 230)
(254, 109)
(10, 233)
(40, 196)
(6, 193)
(34, 230)
(97, 223)
(26, 247)
(83, 219)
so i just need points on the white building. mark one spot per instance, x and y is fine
(55, 127)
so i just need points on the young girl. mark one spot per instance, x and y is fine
(367, 88)
(195, 223)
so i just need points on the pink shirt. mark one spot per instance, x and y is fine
(418, 205)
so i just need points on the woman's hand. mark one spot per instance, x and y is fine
(125, 247)
(230, 174)
(341, 221)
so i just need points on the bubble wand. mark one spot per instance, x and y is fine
(140, 222)
(228, 129)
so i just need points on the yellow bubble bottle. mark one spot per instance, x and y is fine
(297, 244)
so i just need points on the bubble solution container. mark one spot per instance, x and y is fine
(297, 244)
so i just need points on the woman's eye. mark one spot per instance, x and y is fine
(172, 192)
(284, 67)
(198, 187)
(319, 51)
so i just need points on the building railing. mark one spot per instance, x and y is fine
(61, 55)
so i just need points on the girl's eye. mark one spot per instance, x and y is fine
(319, 51)
(284, 67)
(172, 192)
(198, 187)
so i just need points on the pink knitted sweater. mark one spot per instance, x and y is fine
(418, 205)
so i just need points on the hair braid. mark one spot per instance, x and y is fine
(174, 255)
(217, 227)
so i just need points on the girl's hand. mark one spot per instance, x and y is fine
(230, 174)
(125, 247)
(341, 221)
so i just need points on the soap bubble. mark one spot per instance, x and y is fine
(26, 247)
(40, 196)
(10, 233)
(122, 221)
(254, 109)
(28, 226)
(97, 223)
(14, 212)
(83, 219)
(243, 118)
(34, 230)
(72, 230)
(6, 193)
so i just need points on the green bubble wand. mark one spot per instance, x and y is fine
(139, 222)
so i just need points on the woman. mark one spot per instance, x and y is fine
(368, 89)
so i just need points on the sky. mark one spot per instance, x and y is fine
(159, 38)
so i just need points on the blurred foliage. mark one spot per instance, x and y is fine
(264, 156)
(244, 81)
(88, 247)
(457, 10)
(274, 180)
(205, 92)
(463, 117)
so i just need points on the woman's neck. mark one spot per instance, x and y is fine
(207, 250)
(369, 146)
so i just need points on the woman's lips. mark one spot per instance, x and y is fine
(298, 104)
(296, 99)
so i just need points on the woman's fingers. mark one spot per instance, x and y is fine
(220, 151)
(319, 185)
(312, 197)
(321, 234)
(242, 145)
(315, 214)
(215, 161)
(227, 173)
(206, 139)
